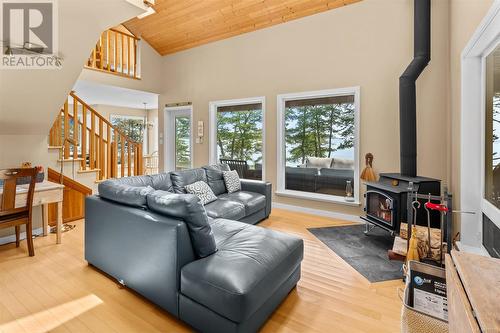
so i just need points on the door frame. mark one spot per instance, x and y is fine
(169, 134)
(472, 146)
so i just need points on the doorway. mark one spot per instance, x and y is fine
(178, 134)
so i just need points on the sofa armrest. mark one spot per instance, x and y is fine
(141, 249)
(261, 187)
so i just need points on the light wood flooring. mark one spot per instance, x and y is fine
(57, 291)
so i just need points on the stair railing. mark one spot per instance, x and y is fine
(95, 142)
(116, 52)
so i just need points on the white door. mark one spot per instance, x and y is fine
(179, 146)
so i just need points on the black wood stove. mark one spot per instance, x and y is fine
(386, 201)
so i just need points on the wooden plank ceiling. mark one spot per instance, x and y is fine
(182, 24)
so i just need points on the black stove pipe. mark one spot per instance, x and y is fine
(407, 89)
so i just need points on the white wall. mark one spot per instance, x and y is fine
(367, 44)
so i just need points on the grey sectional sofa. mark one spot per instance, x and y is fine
(207, 265)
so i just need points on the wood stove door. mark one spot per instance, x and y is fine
(380, 206)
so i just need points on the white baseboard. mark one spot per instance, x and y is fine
(12, 238)
(319, 212)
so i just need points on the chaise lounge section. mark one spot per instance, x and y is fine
(214, 273)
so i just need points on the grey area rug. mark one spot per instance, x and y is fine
(365, 253)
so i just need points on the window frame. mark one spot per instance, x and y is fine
(281, 151)
(213, 105)
(472, 134)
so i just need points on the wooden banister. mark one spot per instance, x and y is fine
(95, 142)
(115, 52)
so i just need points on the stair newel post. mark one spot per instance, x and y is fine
(108, 58)
(115, 62)
(84, 137)
(122, 155)
(135, 58)
(108, 151)
(128, 55)
(115, 154)
(92, 147)
(139, 165)
(101, 149)
(129, 158)
(101, 53)
(76, 124)
(66, 130)
(123, 54)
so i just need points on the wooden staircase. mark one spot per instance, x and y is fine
(86, 138)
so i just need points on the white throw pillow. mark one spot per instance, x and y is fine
(232, 180)
(342, 163)
(319, 162)
(202, 191)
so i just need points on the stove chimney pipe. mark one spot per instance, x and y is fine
(407, 88)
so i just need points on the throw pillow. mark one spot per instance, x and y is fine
(232, 180)
(202, 191)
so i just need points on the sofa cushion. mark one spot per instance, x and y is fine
(250, 265)
(130, 191)
(319, 162)
(252, 201)
(202, 191)
(162, 182)
(225, 209)
(188, 208)
(215, 178)
(232, 181)
(186, 177)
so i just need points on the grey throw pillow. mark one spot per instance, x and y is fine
(202, 191)
(232, 180)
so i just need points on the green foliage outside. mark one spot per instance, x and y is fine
(239, 135)
(318, 130)
(131, 127)
(182, 143)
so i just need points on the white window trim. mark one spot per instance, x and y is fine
(213, 126)
(281, 100)
(472, 136)
(169, 135)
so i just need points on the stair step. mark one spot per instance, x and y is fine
(98, 181)
(71, 160)
(55, 147)
(88, 170)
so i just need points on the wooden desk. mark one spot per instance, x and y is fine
(473, 284)
(45, 193)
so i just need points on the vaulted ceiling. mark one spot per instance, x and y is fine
(182, 24)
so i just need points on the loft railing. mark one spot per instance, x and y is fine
(116, 52)
(87, 137)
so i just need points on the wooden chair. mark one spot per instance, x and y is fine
(12, 216)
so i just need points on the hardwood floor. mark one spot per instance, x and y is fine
(57, 291)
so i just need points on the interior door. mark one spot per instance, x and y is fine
(179, 138)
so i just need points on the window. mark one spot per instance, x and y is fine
(178, 138)
(318, 145)
(237, 135)
(182, 142)
(492, 130)
(132, 126)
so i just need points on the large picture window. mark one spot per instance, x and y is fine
(318, 145)
(237, 128)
